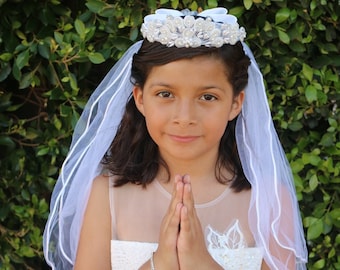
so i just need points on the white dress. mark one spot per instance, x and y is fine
(132, 207)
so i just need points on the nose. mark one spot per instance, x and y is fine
(185, 113)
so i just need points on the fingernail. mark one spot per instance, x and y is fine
(178, 178)
(186, 178)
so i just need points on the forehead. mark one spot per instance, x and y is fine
(199, 71)
(202, 64)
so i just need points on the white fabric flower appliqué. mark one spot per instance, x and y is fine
(230, 249)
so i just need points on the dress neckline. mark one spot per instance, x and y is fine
(197, 206)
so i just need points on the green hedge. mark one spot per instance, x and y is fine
(53, 53)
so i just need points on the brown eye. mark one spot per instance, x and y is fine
(165, 94)
(208, 97)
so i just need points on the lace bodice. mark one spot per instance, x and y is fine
(228, 249)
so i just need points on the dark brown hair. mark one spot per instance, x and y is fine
(134, 156)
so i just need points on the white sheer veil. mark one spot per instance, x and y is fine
(274, 213)
(92, 137)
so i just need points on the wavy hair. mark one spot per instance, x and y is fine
(134, 157)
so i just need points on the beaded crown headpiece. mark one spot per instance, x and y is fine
(211, 28)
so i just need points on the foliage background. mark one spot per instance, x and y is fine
(53, 53)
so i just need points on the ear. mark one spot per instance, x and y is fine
(138, 97)
(237, 105)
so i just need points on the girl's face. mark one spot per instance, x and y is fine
(187, 105)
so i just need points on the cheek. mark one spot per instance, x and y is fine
(154, 122)
(222, 130)
(216, 127)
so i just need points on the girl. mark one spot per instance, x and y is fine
(191, 174)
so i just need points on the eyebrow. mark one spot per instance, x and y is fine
(201, 88)
(160, 84)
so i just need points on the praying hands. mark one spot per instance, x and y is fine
(181, 241)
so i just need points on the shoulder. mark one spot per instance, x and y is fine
(243, 196)
(98, 204)
(128, 188)
(101, 182)
(99, 196)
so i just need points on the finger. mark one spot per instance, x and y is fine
(177, 194)
(185, 221)
(188, 198)
(176, 218)
(186, 179)
(176, 201)
(188, 211)
(177, 191)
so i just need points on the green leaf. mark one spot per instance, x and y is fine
(313, 182)
(310, 158)
(313, 4)
(311, 94)
(57, 123)
(5, 70)
(26, 251)
(20, 35)
(67, 27)
(247, 4)
(327, 140)
(26, 80)
(320, 264)
(7, 141)
(44, 50)
(283, 36)
(134, 33)
(96, 58)
(315, 229)
(16, 72)
(22, 59)
(307, 72)
(58, 38)
(290, 81)
(74, 83)
(65, 110)
(335, 215)
(43, 151)
(295, 126)
(80, 28)
(6, 57)
(174, 4)
(152, 4)
(107, 12)
(297, 46)
(297, 165)
(95, 5)
(193, 5)
(13, 108)
(282, 15)
(31, 134)
(236, 11)
(212, 3)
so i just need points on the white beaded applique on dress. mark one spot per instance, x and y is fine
(130, 255)
(229, 250)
